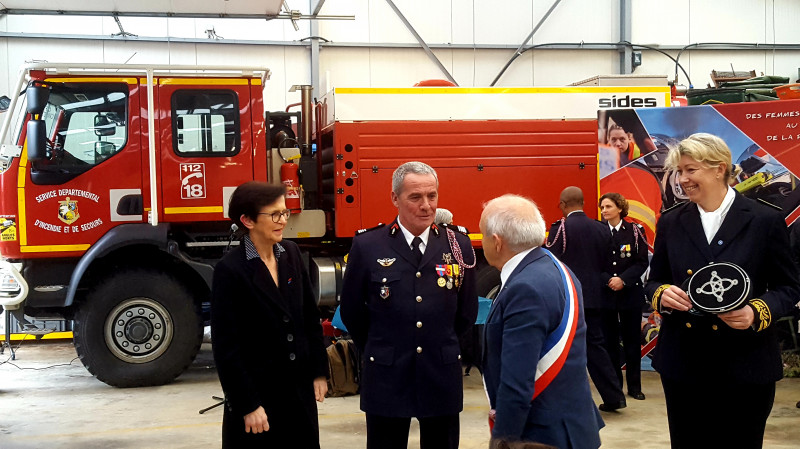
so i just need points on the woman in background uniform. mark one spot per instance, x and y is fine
(625, 290)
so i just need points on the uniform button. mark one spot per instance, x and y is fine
(613, 252)
(615, 274)
(290, 337)
(286, 318)
(719, 242)
(689, 272)
(372, 359)
(459, 357)
(689, 325)
(292, 356)
(714, 327)
(383, 280)
(419, 324)
(614, 263)
(419, 275)
(419, 349)
(419, 298)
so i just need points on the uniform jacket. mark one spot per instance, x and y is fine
(629, 262)
(529, 308)
(406, 324)
(267, 339)
(705, 349)
(587, 254)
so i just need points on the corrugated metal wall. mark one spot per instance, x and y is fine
(361, 52)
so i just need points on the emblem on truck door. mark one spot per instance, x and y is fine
(68, 211)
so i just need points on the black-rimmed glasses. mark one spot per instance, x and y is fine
(276, 216)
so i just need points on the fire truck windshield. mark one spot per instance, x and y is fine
(86, 124)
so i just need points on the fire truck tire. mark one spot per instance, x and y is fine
(138, 328)
(487, 280)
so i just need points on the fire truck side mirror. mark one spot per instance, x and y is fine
(37, 95)
(37, 141)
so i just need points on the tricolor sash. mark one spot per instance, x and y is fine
(557, 345)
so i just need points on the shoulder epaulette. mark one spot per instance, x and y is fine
(361, 231)
(767, 203)
(455, 228)
(556, 223)
(639, 225)
(674, 206)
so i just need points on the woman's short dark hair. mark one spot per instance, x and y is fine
(618, 200)
(249, 198)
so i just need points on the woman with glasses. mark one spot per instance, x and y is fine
(265, 328)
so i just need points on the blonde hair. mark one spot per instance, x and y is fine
(707, 149)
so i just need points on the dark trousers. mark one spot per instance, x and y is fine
(601, 368)
(628, 327)
(436, 432)
(705, 416)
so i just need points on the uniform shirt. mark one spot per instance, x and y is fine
(409, 236)
(713, 220)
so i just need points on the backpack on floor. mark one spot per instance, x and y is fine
(343, 364)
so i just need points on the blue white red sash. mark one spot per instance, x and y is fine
(558, 343)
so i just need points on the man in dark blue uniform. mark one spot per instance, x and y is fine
(408, 293)
(584, 244)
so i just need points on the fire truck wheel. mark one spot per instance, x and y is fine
(487, 280)
(138, 328)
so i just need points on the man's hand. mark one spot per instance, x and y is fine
(320, 388)
(616, 283)
(256, 421)
(738, 319)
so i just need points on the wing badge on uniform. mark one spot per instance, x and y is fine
(386, 262)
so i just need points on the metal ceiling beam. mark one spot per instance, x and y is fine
(422, 43)
(519, 49)
(625, 26)
(45, 12)
(315, 8)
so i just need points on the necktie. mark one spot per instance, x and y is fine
(614, 232)
(415, 249)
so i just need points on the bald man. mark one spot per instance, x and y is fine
(539, 305)
(585, 245)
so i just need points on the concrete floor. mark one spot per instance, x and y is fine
(65, 407)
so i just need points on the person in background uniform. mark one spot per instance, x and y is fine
(266, 333)
(408, 293)
(535, 359)
(584, 244)
(443, 216)
(625, 290)
(718, 370)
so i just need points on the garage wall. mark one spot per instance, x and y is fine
(473, 39)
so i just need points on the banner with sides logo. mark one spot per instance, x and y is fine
(764, 138)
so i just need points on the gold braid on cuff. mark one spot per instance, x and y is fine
(656, 300)
(763, 315)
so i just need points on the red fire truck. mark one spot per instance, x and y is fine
(115, 182)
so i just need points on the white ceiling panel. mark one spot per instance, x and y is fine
(153, 7)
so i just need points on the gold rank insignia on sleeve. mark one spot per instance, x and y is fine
(656, 300)
(763, 315)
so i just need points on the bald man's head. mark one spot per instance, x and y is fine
(572, 196)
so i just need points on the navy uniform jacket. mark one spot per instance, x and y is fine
(705, 349)
(587, 254)
(528, 309)
(409, 337)
(267, 344)
(628, 262)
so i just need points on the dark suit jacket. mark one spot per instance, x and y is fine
(528, 309)
(587, 254)
(704, 349)
(629, 268)
(267, 340)
(409, 338)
